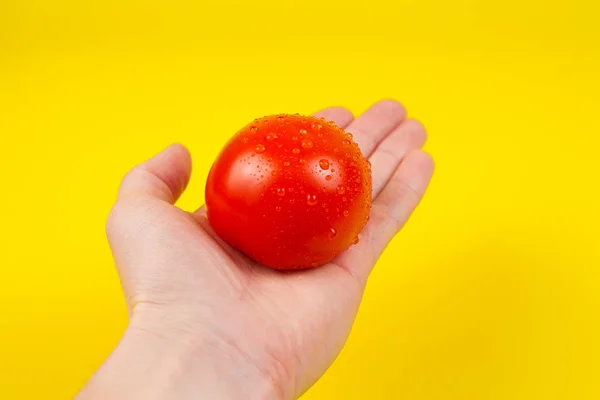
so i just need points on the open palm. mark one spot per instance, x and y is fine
(181, 281)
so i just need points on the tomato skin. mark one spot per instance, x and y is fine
(289, 191)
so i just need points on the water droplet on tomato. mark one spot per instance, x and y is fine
(296, 150)
(346, 213)
(332, 233)
(307, 144)
(332, 170)
(253, 129)
(260, 148)
(281, 118)
(303, 131)
(349, 135)
(335, 150)
(286, 163)
(328, 177)
(369, 164)
(302, 161)
(244, 140)
(292, 201)
(280, 192)
(344, 199)
(272, 136)
(311, 199)
(355, 240)
(324, 164)
(278, 208)
(340, 189)
(294, 138)
(346, 142)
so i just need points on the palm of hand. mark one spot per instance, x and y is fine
(285, 327)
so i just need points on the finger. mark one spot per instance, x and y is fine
(375, 124)
(340, 115)
(164, 176)
(389, 213)
(398, 199)
(409, 135)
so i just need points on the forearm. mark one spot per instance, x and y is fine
(147, 365)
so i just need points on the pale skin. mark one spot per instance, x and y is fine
(206, 322)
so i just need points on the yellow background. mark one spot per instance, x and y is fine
(491, 292)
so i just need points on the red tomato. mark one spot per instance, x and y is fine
(289, 191)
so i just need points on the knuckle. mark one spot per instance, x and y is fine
(391, 153)
(405, 189)
(386, 218)
(127, 215)
(115, 218)
(130, 177)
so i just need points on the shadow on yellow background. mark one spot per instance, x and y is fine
(491, 292)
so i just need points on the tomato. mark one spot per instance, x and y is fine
(289, 191)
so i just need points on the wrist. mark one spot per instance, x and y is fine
(159, 362)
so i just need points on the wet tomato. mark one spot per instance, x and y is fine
(289, 191)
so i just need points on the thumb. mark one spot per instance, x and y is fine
(164, 177)
(138, 219)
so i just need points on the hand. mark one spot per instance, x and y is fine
(206, 321)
